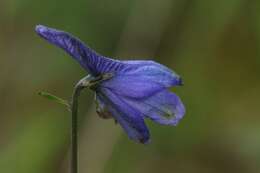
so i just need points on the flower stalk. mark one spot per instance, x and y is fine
(74, 128)
(83, 83)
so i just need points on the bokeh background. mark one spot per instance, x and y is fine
(213, 45)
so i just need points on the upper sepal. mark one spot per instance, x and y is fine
(87, 58)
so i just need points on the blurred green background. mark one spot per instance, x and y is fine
(213, 45)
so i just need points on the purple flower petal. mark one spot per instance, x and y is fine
(130, 119)
(132, 86)
(153, 71)
(97, 64)
(163, 107)
(87, 57)
(139, 79)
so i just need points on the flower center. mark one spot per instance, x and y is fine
(95, 80)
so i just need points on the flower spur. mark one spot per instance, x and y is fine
(127, 91)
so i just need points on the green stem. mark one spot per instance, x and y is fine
(74, 130)
(83, 83)
(87, 81)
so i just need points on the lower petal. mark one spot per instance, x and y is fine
(130, 119)
(163, 107)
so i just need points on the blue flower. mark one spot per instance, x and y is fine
(134, 90)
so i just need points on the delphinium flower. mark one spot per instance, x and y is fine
(127, 91)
